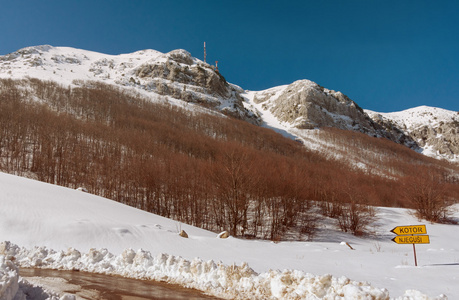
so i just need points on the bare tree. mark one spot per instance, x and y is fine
(426, 193)
(232, 178)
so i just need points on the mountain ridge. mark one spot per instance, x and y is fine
(302, 105)
(434, 129)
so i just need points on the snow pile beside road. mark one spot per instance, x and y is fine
(9, 279)
(237, 282)
(13, 287)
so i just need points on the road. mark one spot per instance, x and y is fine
(97, 287)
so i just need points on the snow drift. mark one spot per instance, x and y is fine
(236, 282)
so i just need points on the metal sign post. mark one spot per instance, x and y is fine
(411, 235)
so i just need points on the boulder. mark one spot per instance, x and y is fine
(223, 235)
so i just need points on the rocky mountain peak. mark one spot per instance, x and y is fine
(178, 67)
(181, 56)
(307, 105)
(181, 76)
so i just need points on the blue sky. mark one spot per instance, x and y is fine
(385, 55)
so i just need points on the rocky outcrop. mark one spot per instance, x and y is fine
(223, 235)
(434, 131)
(306, 105)
(397, 134)
(179, 75)
(178, 67)
(444, 138)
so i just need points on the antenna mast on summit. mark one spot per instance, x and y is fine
(204, 52)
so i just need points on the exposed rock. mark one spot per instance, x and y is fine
(183, 234)
(181, 56)
(434, 131)
(444, 138)
(397, 134)
(177, 67)
(179, 75)
(306, 105)
(223, 235)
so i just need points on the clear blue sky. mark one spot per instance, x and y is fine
(385, 55)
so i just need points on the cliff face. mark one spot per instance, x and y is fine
(306, 105)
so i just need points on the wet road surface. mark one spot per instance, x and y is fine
(96, 286)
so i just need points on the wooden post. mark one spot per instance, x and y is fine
(415, 260)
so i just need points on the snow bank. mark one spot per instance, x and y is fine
(9, 279)
(12, 287)
(237, 282)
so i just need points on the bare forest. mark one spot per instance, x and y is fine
(210, 171)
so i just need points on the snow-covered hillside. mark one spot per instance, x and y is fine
(435, 130)
(175, 75)
(301, 106)
(299, 109)
(70, 229)
(65, 64)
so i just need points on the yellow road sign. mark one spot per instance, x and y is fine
(412, 239)
(413, 229)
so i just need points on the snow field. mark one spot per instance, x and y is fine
(61, 228)
(234, 282)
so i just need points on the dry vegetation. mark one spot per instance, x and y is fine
(213, 172)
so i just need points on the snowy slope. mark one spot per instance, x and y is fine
(175, 76)
(35, 214)
(429, 130)
(436, 130)
(420, 116)
(269, 120)
(65, 64)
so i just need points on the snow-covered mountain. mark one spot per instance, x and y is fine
(435, 130)
(292, 109)
(176, 74)
(304, 105)
(57, 218)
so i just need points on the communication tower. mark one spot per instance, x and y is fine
(205, 52)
